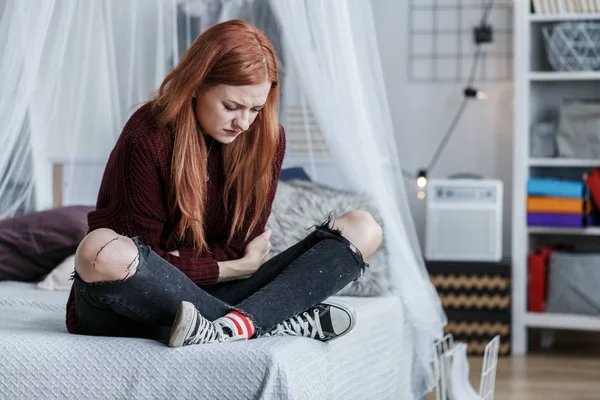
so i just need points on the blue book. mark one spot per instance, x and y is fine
(556, 188)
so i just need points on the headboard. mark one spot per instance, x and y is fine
(77, 182)
(57, 185)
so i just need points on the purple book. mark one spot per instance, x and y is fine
(559, 220)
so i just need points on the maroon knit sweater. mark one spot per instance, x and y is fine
(133, 195)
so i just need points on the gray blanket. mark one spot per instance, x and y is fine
(40, 360)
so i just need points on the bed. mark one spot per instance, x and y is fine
(40, 360)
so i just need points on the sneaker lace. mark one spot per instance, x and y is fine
(207, 333)
(303, 325)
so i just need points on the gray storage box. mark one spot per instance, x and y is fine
(543, 140)
(574, 283)
(578, 134)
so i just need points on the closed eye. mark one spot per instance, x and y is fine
(233, 108)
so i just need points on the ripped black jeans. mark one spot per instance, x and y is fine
(145, 304)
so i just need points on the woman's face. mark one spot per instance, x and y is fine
(225, 111)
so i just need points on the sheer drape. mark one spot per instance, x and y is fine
(73, 71)
(334, 49)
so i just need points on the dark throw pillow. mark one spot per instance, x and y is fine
(293, 173)
(32, 245)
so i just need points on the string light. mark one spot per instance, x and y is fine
(422, 179)
(471, 92)
(483, 33)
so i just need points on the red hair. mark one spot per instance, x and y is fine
(231, 53)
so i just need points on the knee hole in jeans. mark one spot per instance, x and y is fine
(104, 255)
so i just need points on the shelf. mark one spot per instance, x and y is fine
(563, 162)
(564, 76)
(562, 321)
(539, 93)
(563, 17)
(547, 230)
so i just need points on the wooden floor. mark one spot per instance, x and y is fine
(544, 376)
(547, 377)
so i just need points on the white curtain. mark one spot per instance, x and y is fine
(71, 73)
(333, 46)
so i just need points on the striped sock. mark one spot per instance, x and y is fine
(243, 324)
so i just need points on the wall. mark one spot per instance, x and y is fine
(421, 113)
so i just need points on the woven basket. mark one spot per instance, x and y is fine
(573, 46)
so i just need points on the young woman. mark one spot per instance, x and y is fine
(178, 246)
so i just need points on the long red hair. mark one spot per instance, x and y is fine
(231, 53)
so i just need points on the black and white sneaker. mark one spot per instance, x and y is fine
(325, 321)
(190, 327)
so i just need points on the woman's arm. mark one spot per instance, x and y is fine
(241, 251)
(240, 267)
(243, 257)
(229, 270)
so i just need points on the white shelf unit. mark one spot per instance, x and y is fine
(542, 230)
(563, 76)
(562, 321)
(538, 92)
(563, 17)
(563, 162)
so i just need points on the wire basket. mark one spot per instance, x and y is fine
(573, 46)
(452, 370)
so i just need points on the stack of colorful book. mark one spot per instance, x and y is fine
(558, 203)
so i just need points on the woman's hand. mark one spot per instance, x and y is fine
(257, 251)
(255, 254)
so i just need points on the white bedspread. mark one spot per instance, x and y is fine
(40, 360)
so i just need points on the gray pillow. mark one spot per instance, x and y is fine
(299, 205)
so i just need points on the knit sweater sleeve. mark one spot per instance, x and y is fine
(146, 209)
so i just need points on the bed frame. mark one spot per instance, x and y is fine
(57, 185)
(67, 177)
